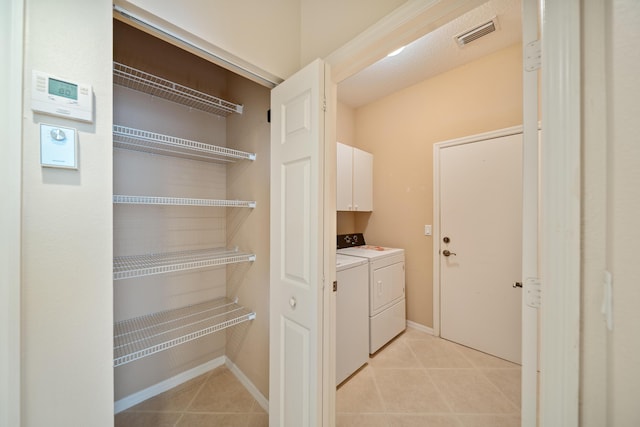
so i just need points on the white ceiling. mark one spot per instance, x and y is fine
(434, 53)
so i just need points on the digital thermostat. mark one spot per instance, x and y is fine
(61, 97)
(58, 147)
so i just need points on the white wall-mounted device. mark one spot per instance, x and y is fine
(61, 97)
(58, 147)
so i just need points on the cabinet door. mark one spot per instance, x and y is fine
(362, 180)
(344, 174)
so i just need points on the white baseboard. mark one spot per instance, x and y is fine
(252, 389)
(149, 392)
(156, 389)
(420, 327)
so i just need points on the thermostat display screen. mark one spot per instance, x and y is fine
(64, 89)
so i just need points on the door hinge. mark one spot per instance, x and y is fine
(533, 292)
(335, 286)
(533, 56)
(324, 104)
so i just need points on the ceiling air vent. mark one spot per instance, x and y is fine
(477, 32)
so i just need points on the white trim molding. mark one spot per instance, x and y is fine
(156, 389)
(419, 327)
(530, 213)
(11, 71)
(560, 214)
(251, 388)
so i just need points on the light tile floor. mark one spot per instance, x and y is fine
(421, 380)
(415, 381)
(214, 399)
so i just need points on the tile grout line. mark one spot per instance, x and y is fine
(195, 395)
(442, 395)
(384, 405)
(504, 396)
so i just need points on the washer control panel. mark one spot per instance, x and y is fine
(350, 240)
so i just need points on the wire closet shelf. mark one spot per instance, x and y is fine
(126, 267)
(179, 201)
(146, 335)
(155, 143)
(141, 81)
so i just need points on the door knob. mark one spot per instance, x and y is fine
(447, 252)
(293, 303)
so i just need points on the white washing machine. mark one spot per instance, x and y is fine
(387, 303)
(352, 315)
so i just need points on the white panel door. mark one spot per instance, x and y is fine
(297, 168)
(481, 228)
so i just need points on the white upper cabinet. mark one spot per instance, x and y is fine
(355, 179)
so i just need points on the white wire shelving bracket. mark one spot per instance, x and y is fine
(126, 267)
(141, 81)
(146, 335)
(179, 201)
(157, 143)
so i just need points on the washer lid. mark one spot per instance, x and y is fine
(370, 252)
(343, 262)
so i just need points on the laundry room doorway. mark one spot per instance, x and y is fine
(478, 241)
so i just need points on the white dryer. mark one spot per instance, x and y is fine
(387, 303)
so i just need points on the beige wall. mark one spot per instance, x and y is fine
(400, 131)
(248, 344)
(67, 308)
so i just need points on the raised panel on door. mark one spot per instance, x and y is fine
(297, 168)
(387, 286)
(344, 177)
(362, 180)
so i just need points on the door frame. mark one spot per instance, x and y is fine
(436, 206)
(560, 222)
(12, 18)
(561, 139)
(561, 77)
